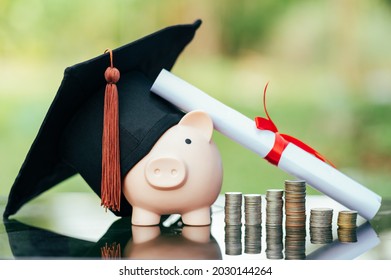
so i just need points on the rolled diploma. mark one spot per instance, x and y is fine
(294, 160)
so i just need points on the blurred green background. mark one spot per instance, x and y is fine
(328, 64)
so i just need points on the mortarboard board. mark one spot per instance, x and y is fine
(70, 138)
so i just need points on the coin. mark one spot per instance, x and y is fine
(233, 208)
(252, 239)
(295, 210)
(347, 224)
(274, 245)
(348, 235)
(253, 209)
(321, 225)
(233, 239)
(347, 219)
(274, 207)
(295, 219)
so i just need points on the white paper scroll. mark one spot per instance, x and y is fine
(294, 160)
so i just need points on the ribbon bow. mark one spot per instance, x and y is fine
(282, 140)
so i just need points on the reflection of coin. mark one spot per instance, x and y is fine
(233, 239)
(294, 249)
(274, 245)
(252, 239)
(348, 235)
(321, 235)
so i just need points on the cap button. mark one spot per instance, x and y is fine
(112, 75)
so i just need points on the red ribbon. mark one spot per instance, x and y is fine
(282, 140)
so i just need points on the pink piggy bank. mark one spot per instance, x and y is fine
(182, 174)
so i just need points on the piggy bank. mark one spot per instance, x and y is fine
(182, 174)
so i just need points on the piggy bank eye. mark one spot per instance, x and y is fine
(188, 141)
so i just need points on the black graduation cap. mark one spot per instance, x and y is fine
(70, 138)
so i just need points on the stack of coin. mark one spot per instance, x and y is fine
(274, 205)
(295, 219)
(233, 208)
(274, 220)
(233, 239)
(321, 225)
(253, 209)
(347, 219)
(274, 245)
(295, 193)
(347, 226)
(253, 239)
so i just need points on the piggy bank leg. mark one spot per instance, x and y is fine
(142, 217)
(144, 234)
(198, 217)
(200, 234)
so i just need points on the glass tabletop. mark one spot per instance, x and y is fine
(74, 226)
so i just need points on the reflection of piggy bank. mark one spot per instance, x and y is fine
(182, 174)
(190, 243)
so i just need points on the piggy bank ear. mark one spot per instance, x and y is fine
(200, 121)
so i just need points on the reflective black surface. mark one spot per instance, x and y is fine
(120, 241)
(73, 226)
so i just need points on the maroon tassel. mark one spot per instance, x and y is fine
(112, 252)
(111, 173)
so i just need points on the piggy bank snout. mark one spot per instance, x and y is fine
(165, 172)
